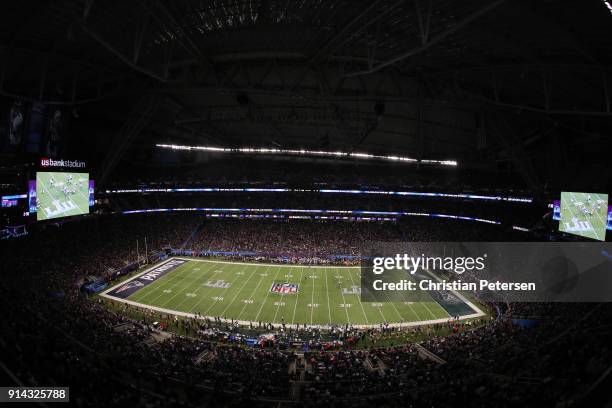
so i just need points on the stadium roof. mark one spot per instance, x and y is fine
(478, 81)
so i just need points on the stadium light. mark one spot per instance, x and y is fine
(304, 152)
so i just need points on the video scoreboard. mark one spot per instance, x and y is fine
(583, 214)
(59, 188)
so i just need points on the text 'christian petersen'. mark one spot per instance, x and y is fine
(429, 285)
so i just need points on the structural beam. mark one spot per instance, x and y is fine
(435, 40)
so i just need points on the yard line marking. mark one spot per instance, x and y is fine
(416, 316)
(194, 307)
(570, 207)
(169, 283)
(279, 305)
(175, 281)
(574, 216)
(311, 295)
(282, 300)
(217, 297)
(267, 294)
(401, 318)
(428, 309)
(199, 287)
(261, 278)
(327, 293)
(361, 304)
(69, 199)
(346, 308)
(239, 291)
(297, 299)
(419, 318)
(86, 198)
(604, 223)
(183, 290)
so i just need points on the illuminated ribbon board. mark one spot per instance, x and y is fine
(323, 191)
(309, 211)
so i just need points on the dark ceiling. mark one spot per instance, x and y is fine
(525, 82)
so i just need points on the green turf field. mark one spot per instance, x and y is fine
(61, 194)
(325, 295)
(584, 214)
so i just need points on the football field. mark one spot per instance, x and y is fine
(289, 294)
(584, 214)
(61, 194)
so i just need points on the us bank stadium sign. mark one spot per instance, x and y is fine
(132, 286)
(47, 162)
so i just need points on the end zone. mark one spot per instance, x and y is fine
(134, 284)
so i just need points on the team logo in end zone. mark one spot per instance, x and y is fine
(130, 285)
(126, 290)
(284, 288)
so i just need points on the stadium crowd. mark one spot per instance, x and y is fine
(297, 238)
(57, 335)
(503, 211)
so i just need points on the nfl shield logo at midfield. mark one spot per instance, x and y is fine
(284, 288)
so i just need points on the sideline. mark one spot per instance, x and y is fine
(479, 313)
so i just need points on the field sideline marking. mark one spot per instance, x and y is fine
(478, 312)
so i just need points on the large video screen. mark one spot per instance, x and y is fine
(60, 194)
(584, 214)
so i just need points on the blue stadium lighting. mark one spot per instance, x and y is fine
(14, 197)
(322, 191)
(358, 213)
(304, 152)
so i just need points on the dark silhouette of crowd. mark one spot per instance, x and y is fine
(53, 334)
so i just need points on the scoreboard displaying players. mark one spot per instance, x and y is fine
(61, 194)
(60, 188)
(584, 214)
